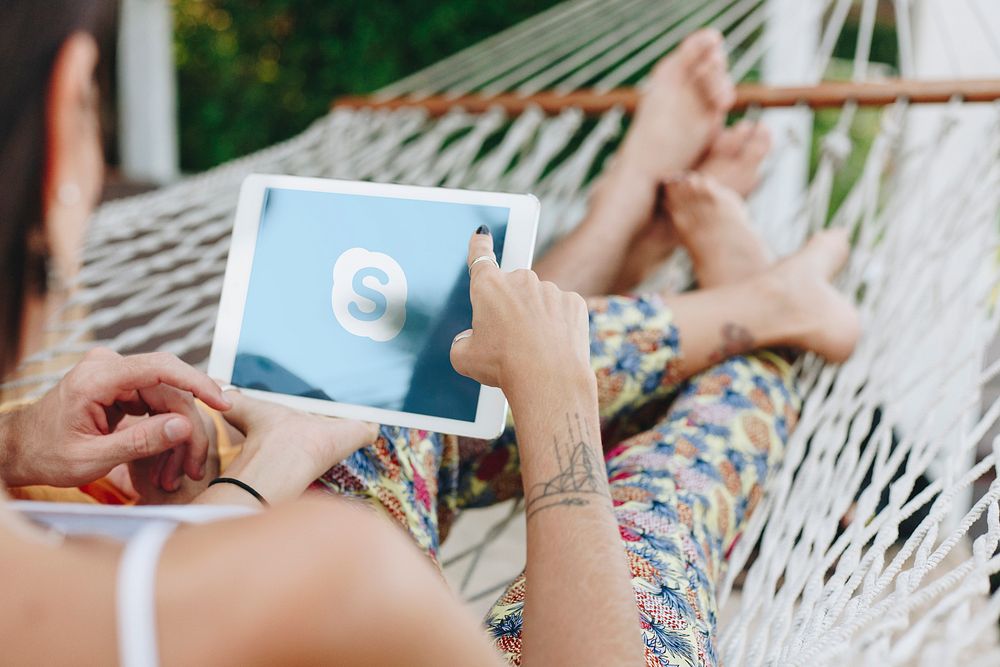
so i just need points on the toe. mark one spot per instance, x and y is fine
(713, 83)
(723, 95)
(741, 134)
(699, 49)
(758, 142)
(727, 202)
(730, 141)
(694, 51)
(699, 44)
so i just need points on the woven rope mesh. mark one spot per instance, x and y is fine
(872, 545)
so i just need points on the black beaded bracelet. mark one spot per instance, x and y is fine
(243, 485)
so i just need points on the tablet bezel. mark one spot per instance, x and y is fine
(518, 250)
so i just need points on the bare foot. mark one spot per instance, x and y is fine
(736, 156)
(682, 109)
(823, 320)
(681, 112)
(733, 160)
(713, 224)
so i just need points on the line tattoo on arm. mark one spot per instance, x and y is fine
(581, 477)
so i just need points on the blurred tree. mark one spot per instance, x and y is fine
(254, 72)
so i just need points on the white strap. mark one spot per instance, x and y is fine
(137, 646)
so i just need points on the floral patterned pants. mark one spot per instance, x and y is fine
(686, 464)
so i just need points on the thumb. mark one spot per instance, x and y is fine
(240, 415)
(147, 437)
(356, 435)
(461, 351)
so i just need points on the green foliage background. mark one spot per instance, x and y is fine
(254, 72)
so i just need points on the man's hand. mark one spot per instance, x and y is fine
(71, 436)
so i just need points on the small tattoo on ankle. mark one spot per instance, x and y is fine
(736, 340)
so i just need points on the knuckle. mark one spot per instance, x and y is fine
(138, 444)
(525, 276)
(163, 358)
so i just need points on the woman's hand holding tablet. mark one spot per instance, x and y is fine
(342, 299)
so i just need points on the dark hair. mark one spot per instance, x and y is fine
(31, 34)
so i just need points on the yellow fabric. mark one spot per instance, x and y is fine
(51, 494)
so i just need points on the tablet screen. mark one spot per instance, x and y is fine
(356, 298)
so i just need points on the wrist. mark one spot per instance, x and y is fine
(572, 383)
(277, 479)
(13, 429)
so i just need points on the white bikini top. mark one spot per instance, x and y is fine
(136, 595)
(145, 531)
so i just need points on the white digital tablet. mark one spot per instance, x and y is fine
(342, 298)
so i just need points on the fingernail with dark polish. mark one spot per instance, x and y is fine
(483, 229)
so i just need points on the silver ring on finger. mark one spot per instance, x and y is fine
(483, 258)
(462, 336)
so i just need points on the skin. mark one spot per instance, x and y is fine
(200, 563)
(680, 115)
(733, 161)
(286, 586)
(572, 535)
(713, 222)
(111, 410)
(76, 421)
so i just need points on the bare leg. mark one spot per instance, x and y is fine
(733, 161)
(679, 116)
(791, 305)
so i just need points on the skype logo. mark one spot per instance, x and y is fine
(369, 294)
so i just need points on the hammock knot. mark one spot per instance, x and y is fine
(837, 147)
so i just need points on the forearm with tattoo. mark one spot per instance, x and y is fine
(581, 477)
(575, 557)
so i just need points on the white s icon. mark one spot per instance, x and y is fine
(369, 294)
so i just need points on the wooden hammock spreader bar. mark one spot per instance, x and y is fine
(831, 94)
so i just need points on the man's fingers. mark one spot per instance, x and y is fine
(113, 377)
(146, 437)
(167, 399)
(170, 476)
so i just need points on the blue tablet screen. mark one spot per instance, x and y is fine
(356, 299)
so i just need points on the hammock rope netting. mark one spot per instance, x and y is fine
(897, 438)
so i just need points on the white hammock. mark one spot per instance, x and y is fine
(924, 214)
